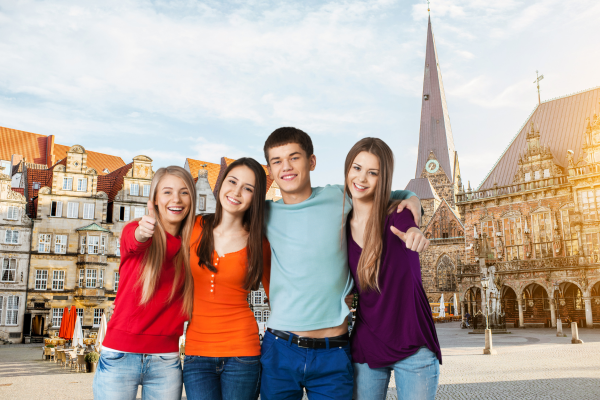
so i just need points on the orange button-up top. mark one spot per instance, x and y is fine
(223, 324)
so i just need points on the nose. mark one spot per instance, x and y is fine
(176, 197)
(363, 176)
(286, 165)
(238, 190)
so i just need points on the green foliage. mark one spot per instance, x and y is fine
(92, 357)
(50, 346)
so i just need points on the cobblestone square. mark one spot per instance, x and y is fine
(531, 364)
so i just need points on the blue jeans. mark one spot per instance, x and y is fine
(287, 369)
(416, 378)
(119, 375)
(221, 378)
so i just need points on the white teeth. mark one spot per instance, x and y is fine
(175, 208)
(233, 200)
(360, 187)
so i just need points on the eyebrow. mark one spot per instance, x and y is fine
(231, 176)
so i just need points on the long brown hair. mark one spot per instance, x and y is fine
(154, 256)
(253, 221)
(369, 263)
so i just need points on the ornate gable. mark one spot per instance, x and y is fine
(444, 224)
(537, 161)
(590, 148)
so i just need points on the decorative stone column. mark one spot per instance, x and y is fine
(462, 310)
(552, 314)
(589, 320)
(520, 305)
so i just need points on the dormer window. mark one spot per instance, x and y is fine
(106, 171)
(36, 186)
(67, 183)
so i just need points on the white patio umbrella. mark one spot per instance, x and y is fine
(456, 310)
(78, 334)
(442, 307)
(101, 333)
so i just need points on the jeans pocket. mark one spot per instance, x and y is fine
(248, 360)
(112, 356)
(189, 359)
(267, 344)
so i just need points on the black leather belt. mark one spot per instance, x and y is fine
(312, 343)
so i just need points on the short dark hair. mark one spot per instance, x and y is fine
(287, 135)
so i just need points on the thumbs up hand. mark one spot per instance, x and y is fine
(145, 229)
(414, 239)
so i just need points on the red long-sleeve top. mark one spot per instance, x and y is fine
(156, 326)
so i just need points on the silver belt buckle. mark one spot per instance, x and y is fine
(299, 339)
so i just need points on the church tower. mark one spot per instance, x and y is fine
(437, 159)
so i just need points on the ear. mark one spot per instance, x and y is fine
(313, 162)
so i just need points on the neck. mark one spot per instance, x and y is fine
(298, 196)
(230, 222)
(361, 210)
(172, 229)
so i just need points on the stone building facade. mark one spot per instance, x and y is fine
(15, 241)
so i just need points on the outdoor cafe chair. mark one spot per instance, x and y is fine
(81, 364)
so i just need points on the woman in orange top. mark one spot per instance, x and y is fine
(228, 256)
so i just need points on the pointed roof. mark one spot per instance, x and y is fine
(422, 188)
(444, 205)
(213, 170)
(561, 123)
(435, 133)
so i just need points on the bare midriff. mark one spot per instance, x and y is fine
(325, 332)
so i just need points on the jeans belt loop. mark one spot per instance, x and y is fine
(290, 339)
(327, 343)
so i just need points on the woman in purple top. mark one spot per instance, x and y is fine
(394, 328)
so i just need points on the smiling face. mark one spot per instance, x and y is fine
(290, 168)
(363, 176)
(173, 201)
(237, 190)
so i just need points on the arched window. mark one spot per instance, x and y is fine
(444, 223)
(436, 231)
(445, 273)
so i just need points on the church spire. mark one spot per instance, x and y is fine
(435, 133)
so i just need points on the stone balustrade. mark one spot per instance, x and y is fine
(517, 188)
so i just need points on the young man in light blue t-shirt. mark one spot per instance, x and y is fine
(307, 342)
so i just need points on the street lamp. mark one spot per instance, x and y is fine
(485, 284)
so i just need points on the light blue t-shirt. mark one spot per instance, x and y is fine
(309, 263)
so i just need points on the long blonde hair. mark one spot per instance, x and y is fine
(154, 256)
(369, 262)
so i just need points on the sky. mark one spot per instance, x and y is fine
(206, 79)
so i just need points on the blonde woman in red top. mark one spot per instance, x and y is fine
(155, 296)
(228, 256)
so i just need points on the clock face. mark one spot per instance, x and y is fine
(432, 166)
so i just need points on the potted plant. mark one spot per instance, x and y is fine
(91, 359)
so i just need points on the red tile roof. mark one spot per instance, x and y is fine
(112, 183)
(212, 168)
(34, 148)
(561, 123)
(225, 162)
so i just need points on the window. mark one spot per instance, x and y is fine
(91, 278)
(67, 183)
(542, 234)
(569, 233)
(101, 279)
(146, 190)
(118, 248)
(72, 210)
(60, 244)
(487, 227)
(446, 276)
(12, 310)
(258, 316)
(513, 238)
(266, 315)
(546, 173)
(116, 281)
(134, 189)
(93, 244)
(1, 303)
(57, 314)
(589, 204)
(98, 312)
(44, 243)
(13, 213)
(592, 243)
(123, 213)
(79, 312)
(11, 237)
(202, 202)
(56, 209)
(527, 176)
(81, 277)
(82, 245)
(58, 280)
(41, 279)
(257, 298)
(81, 185)
(88, 211)
(537, 175)
(9, 269)
(102, 244)
(138, 212)
(278, 192)
(5, 169)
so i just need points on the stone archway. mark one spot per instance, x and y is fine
(595, 302)
(536, 306)
(446, 274)
(472, 300)
(571, 304)
(510, 305)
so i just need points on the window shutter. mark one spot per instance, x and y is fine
(59, 208)
(126, 214)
